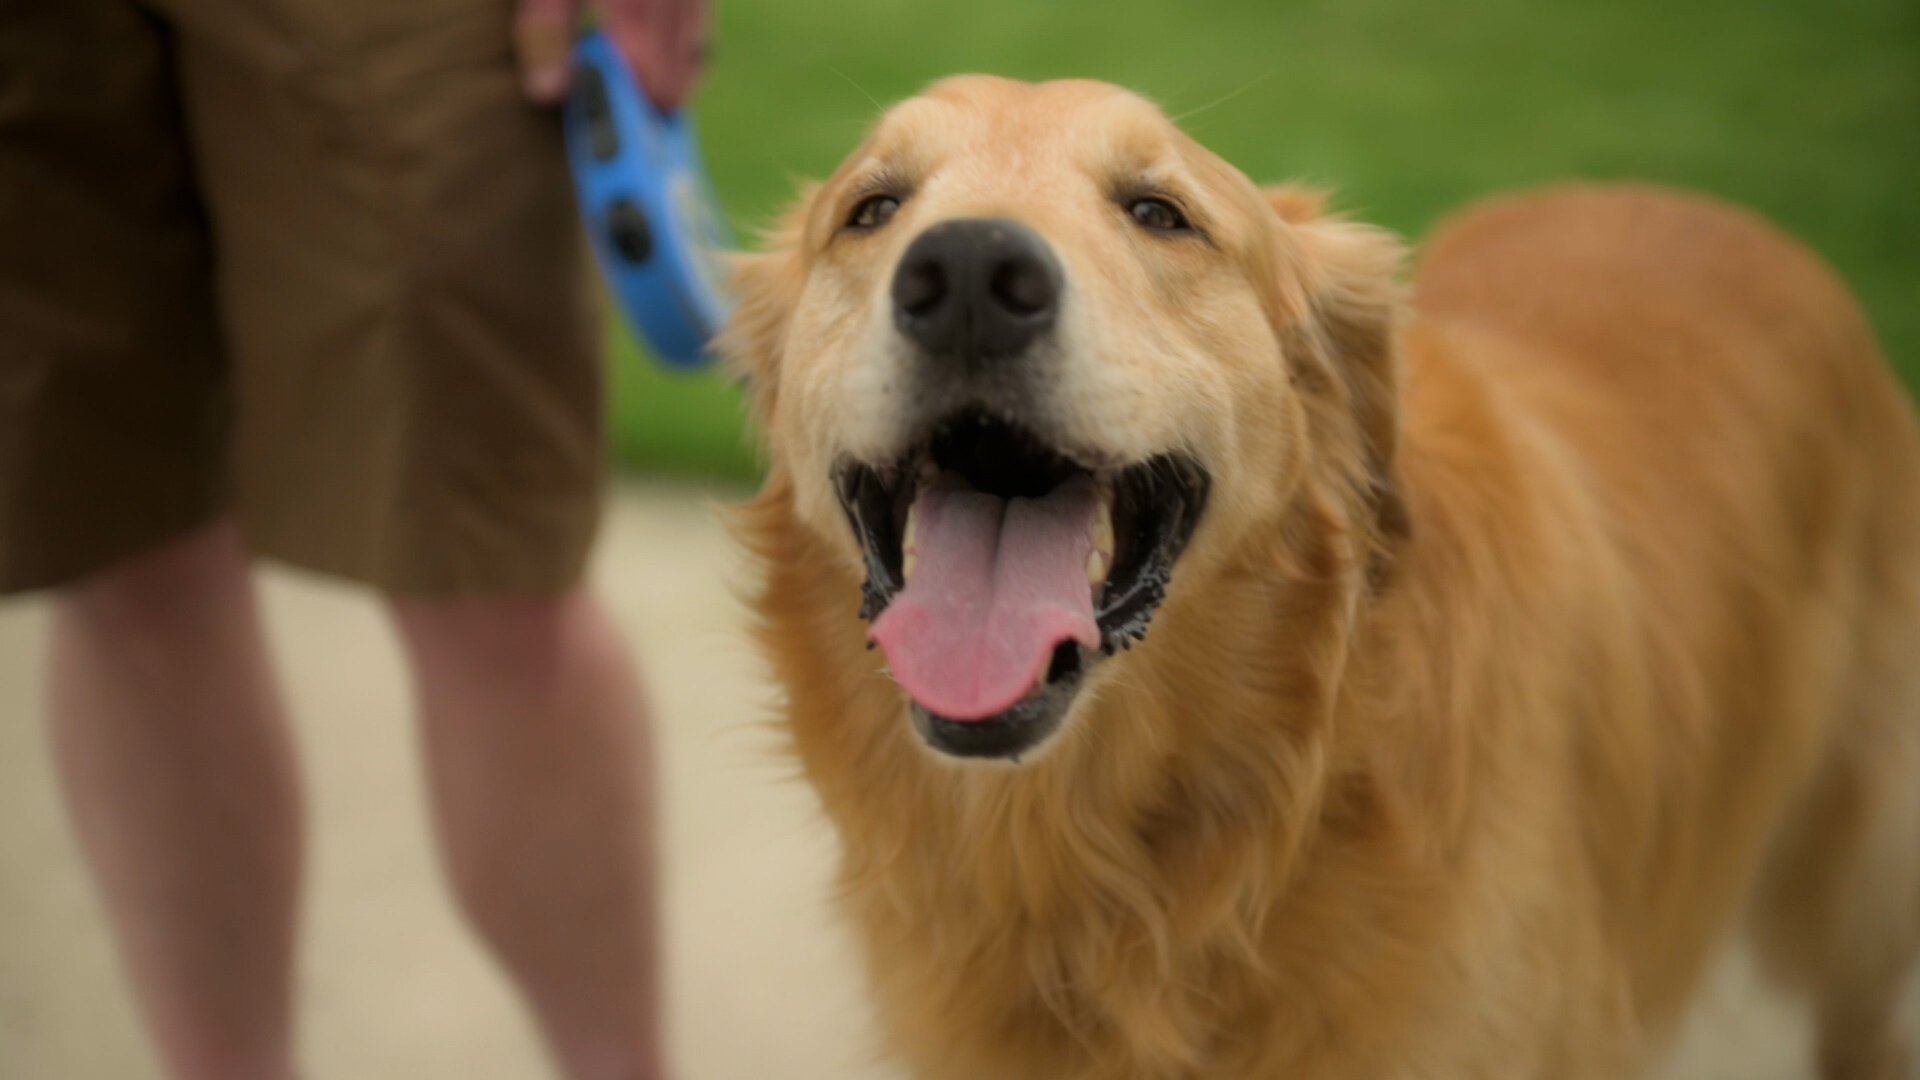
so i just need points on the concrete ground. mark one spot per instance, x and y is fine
(762, 983)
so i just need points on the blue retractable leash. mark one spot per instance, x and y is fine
(649, 210)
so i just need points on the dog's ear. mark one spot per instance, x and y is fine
(766, 288)
(1339, 304)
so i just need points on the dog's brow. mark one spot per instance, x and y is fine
(1138, 152)
(875, 176)
(1159, 175)
(1159, 172)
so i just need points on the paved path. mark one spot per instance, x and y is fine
(762, 982)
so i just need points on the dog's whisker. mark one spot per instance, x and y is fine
(850, 82)
(1226, 97)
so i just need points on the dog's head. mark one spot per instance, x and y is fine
(1031, 359)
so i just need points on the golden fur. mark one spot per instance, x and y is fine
(1544, 625)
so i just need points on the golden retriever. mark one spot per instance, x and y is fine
(1280, 674)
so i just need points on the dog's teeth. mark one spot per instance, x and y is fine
(909, 548)
(1096, 568)
(1100, 559)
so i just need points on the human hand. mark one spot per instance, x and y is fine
(663, 41)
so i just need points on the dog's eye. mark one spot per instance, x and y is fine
(1158, 215)
(872, 212)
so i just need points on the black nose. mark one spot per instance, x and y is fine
(976, 289)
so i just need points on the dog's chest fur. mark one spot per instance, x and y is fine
(1134, 905)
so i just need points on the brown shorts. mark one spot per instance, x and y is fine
(309, 263)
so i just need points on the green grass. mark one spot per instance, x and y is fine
(1808, 112)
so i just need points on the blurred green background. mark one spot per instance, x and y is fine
(1806, 111)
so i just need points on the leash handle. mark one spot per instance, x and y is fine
(650, 214)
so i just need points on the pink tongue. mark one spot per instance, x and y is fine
(997, 584)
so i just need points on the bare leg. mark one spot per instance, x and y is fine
(539, 767)
(180, 778)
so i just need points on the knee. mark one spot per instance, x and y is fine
(506, 638)
(164, 589)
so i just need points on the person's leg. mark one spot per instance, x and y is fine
(536, 745)
(180, 777)
(420, 410)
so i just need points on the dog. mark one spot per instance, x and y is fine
(1219, 660)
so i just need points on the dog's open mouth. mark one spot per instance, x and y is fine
(999, 568)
